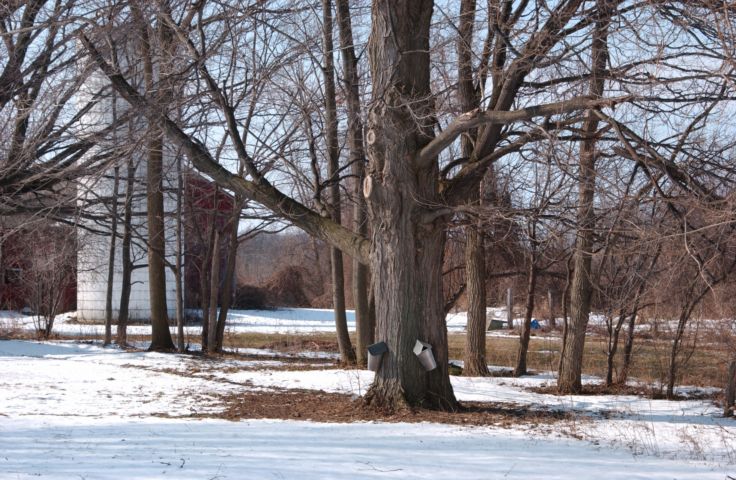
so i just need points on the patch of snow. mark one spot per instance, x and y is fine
(79, 410)
(155, 448)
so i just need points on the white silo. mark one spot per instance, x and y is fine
(95, 191)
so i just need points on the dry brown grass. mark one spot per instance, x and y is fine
(705, 367)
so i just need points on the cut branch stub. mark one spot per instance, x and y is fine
(367, 186)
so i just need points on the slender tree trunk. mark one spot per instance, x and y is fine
(347, 355)
(475, 337)
(526, 329)
(629, 342)
(692, 301)
(226, 296)
(357, 169)
(672, 367)
(551, 306)
(125, 259)
(510, 308)
(205, 278)
(179, 272)
(111, 258)
(628, 349)
(613, 337)
(214, 291)
(569, 380)
(160, 334)
(729, 403)
(408, 247)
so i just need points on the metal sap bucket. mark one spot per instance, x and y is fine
(423, 351)
(375, 355)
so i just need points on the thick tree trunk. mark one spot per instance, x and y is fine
(365, 328)
(406, 254)
(569, 380)
(371, 311)
(526, 329)
(111, 258)
(475, 273)
(125, 259)
(475, 337)
(581, 290)
(357, 169)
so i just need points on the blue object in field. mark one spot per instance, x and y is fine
(535, 324)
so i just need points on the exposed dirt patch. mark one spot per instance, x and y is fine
(321, 406)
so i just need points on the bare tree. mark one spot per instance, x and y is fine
(581, 286)
(365, 322)
(407, 244)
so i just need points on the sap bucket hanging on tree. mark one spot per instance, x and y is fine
(375, 355)
(423, 351)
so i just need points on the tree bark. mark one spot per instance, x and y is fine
(406, 254)
(565, 305)
(357, 161)
(347, 355)
(475, 336)
(111, 258)
(178, 267)
(613, 336)
(205, 275)
(214, 294)
(125, 260)
(551, 305)
(525, 333)
(226, 296)
(160, 334)
(569, 380)
(692, 299)
(729, 403)
(475, 274)
(510, 308)
(628, 349)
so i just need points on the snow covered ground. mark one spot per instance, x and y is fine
(70, 410)
(283, 320)
(302, 320)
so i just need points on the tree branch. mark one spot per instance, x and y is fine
(478, 117)
(261, 191)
